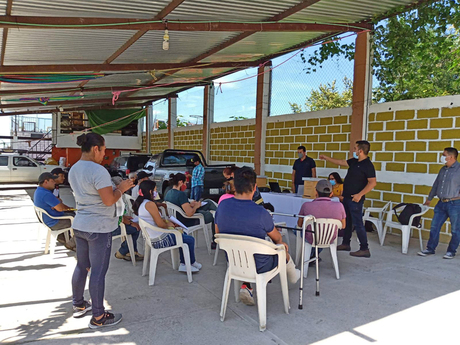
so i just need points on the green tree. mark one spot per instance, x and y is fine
(415, 54)
(327, 97)
(236, 118)
(180, 122)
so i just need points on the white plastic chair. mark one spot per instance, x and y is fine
(242, 268)
(377, 221)
(284, 233)
(51, 245)
(128, 238)
(154, 253)
(405, 229)
(174, 210)
(325, 230)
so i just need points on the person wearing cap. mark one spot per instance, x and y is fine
(45, 199)
(197, 179)
(60, 180)
(142, 176)
(322, 207)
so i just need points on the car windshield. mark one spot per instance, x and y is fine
(178, 158)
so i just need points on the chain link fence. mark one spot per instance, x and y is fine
(295, 91)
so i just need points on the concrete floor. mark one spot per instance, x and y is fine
(390, 298)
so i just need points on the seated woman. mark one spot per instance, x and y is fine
(177, 197)
(147, 210)
(229, 188)
(132, 228)
(337, 185)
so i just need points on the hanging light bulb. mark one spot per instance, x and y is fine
(166, 40)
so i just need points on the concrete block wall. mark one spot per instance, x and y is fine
(406, 137)
(233, 142)
(322, 132)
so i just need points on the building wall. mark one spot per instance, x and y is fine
(233, 142)
(406, 137)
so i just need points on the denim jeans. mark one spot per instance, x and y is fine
(354, 211)
(93, 251)
(170, 241)
(197, 191)
(130, 230)
(208, 217)
(442, 211)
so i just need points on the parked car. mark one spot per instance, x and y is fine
(174, 161)
(126, 163)
(15, 167)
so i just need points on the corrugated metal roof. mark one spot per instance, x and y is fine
(348, 11)
(183, 46)
(239, 10)
(65, 46)
(88, 8)
(260, 44)
(62, 46)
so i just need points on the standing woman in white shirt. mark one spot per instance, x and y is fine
(94, 222)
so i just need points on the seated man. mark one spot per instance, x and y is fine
(132, 228)
(242, 216)
(142, 176)
(322, 207)
(60, 180)
(45, 199)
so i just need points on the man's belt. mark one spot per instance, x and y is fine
(450, 199)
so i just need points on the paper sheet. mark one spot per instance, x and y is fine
(176, 221)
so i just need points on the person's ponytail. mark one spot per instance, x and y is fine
(146, 189)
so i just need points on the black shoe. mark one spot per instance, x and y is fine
(107, 320)
(345, 247)
(81, 310)
(213, 245)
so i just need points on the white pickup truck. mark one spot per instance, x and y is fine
(18, 168)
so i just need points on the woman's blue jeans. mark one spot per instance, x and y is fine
(170, 241)
(93, 252)
(442, 211)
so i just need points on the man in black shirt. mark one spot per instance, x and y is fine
(303, 167)
(359, 181)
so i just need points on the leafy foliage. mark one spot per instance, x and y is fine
(236, 118)
(327, 97)
(415, 54)
(180, 122)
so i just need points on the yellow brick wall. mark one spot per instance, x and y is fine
(233, 144)
(410, 142)
(324, 135)
(190, 139)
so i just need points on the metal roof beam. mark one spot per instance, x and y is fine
(121, 67)
(78, 101)
(144, 25)
(89, 89)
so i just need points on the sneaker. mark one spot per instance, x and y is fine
(361, 253)
(425, 252)
(246, 295)
(183, 268)
(107, 320)
(81, 310)
(449, 255)
(196, 264)
(345, 247)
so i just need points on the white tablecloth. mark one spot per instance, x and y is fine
(285, 203)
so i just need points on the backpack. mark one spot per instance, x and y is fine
(408, 211)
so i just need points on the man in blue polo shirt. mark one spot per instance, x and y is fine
(303, 167)
(45, 199)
